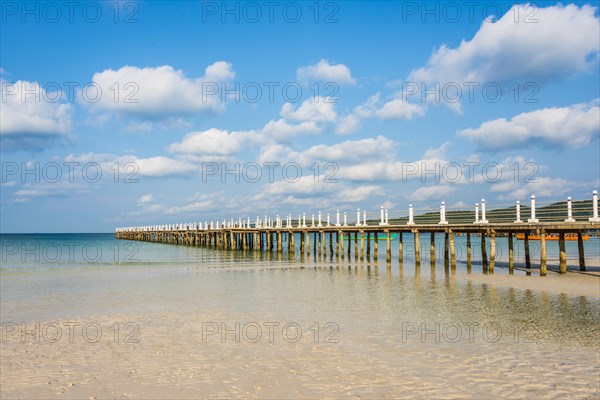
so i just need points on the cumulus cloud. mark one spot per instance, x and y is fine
(326, 72)
(561, 41)
(31, 118)
(396, 108)
(160, 91)
(558, 127)
(347, 125)
(315, 109)
(213, 142)
(132, 167)
(425, 193)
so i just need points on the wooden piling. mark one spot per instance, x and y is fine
(581, 254)
(492, 252)
(452, 250)
(511, 254)
(376, 247)
(527, 254)
(563, 253)
(417, 247)
(468, 252)
(484, 259)
(543, 253)
(388, 248)
(432, 248)
(400, 248)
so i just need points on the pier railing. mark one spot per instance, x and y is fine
(533, 218)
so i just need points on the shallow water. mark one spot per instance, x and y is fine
(426, 321)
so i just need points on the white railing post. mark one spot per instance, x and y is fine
(533, 218)
(518, 220)
(337, 218)
(328, 219)
(443, 214)
(312, 223)
(364, 222)
(345, 219)
(411, 215)
(569, 211)
(320, 224)
(387, 221)
(483, 219)
(358, 217)
(304, 220)
(476, 213)
(595, 207)
(382, 221)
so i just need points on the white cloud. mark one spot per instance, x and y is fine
(147, 198)
(557, 45)
(560, 127)
(213, 142)
(132, 167)
(32, 121)
(542, 187)
(394, 109)
(315, 109)
(347, 125)
(425, 193)
(324, 71)
(281, 130)
(161, 91)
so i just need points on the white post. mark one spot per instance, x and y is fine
(387, 221)
(299, 221)
(358, 217)
(345, 219)
(328, 219)
(312, 224)
(569, 211)
(304, 220)
(337, 218)
(411, 215)
(364, 218)
(483, 219)
(443, 214)
(476, 213)
(518, 220)
(382, 216)
(533, 219)
(595, 207)
(320, 224)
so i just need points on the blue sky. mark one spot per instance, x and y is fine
(495, 100)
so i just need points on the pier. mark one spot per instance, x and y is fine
(342, 235)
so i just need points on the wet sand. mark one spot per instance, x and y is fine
(172, 361)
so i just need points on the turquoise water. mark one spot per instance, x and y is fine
(424, 321)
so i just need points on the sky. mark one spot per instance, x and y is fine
(117, 114)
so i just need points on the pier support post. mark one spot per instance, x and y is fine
(400, 248)
(511, 254)
(452, 250)
(543, 253)
(446, 257)
(388, 248)
(484, 260)
(417, 247)
(492, 252)
(279, 244)
(469, 252)
(563, 253)
(307, 243)
(432, 248)
(340, 239)
(581, 254)
(369, 245)
(376, 247)
(527, 254)
(331, 245)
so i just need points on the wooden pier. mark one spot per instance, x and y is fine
(342, 239)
